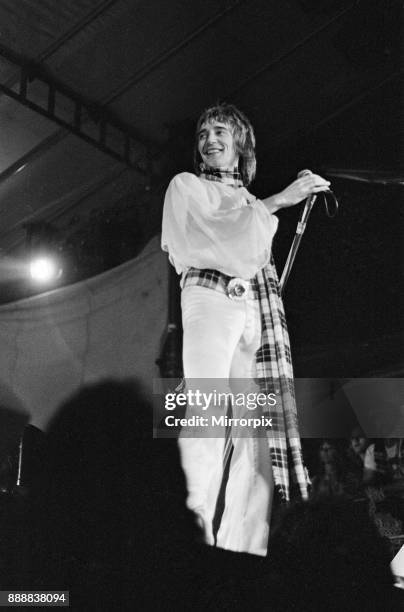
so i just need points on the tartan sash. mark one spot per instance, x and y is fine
(274, 373)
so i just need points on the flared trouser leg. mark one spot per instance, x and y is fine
(221, 337)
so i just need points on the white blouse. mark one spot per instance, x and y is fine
(207, 224)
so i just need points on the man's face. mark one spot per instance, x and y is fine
(216, 145)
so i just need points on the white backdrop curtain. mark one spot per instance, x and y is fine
(107, 326)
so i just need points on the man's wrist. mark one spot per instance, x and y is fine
(275, 202)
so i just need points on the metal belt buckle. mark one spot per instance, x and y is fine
(237, 289)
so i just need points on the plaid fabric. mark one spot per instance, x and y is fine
(228, 177)
(213, 279)
(275, 375)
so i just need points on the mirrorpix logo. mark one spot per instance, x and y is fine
(254, 422)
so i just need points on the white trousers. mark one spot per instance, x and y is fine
(221, 337)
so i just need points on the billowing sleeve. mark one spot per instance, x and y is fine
(210, 225)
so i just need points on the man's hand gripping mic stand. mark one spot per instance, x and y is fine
(301, 226)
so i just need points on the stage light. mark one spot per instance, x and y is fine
(44, 263)
(45, 269)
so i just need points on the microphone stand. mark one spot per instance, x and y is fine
(301, 226)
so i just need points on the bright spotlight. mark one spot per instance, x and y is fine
(44, 270)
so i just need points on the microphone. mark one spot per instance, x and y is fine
(306, 172)
(303, 173)
(310, 200)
